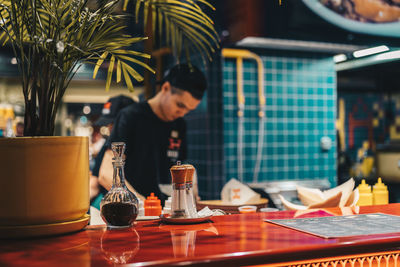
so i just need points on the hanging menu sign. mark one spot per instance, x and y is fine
(344, 226)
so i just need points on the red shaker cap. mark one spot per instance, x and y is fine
(152, 205)
(189, 172)
(178, 174)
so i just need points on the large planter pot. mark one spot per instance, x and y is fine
(43, 180)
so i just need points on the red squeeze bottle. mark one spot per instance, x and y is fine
(152, 206)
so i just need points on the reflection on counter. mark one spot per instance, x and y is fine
(184, 237)
(120, 246)
(325, 212)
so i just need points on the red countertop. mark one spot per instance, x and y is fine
(231, 240)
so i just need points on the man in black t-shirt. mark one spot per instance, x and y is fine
(155, 132)
(108, 114)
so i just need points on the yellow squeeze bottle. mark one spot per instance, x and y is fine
(365, 195)
(380, 193)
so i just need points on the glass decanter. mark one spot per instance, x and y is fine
(119, 207)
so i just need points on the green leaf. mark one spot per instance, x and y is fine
(132, 72)
(137, 8)
(99, 63)
(145, 14)
(131, 52)
(137, 62)
(110, 72)
(127, 79)
(118, 71)
(125, 6)
(187, 25)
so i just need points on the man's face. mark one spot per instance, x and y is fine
(174, 106)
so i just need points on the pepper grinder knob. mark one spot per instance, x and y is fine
(118, 149)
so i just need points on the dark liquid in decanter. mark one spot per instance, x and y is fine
(119, 214)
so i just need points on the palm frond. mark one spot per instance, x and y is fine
(179, 23)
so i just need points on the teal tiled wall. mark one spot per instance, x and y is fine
(300, 91)
(300, 96)
(205, 135)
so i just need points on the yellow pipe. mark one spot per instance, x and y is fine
(239, 75)
(240, 54)
(340, 124)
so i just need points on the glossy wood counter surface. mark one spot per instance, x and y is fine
(242, 239)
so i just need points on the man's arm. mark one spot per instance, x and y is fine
(94, 186)
(106, 174)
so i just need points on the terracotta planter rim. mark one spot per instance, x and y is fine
(41, 139)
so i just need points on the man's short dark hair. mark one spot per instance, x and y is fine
(187, 78)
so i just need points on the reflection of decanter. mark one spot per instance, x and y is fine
(183, 237)
(183, 243)
(121, 246)
(119, 207)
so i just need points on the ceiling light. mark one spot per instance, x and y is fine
(389, 55)
(339, 58)
(370, 51)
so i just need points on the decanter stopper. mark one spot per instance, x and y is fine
(118, 149)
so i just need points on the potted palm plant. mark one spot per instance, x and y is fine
(45, 178)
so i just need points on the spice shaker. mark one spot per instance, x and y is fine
(178, 201)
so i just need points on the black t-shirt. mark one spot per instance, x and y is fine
(152, 146)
